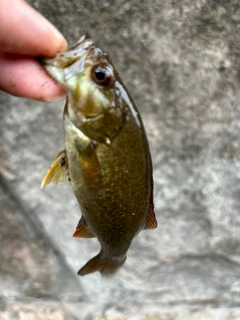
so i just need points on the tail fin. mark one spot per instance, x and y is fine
(105, 266)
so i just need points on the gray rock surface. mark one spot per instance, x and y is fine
(180, 62)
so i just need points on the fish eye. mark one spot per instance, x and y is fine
(101, 76)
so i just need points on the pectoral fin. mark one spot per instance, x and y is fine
(151, 221)
(83, 230)
(91, 170)
(58, 171)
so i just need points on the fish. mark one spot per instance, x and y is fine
(106, 157)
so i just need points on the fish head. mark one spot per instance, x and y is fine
(95, 104)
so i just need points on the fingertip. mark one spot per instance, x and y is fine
(31, 33)
(52, 41)
(25, 77)
(57, 37)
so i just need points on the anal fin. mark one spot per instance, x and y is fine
(83, 230)
(58, 172)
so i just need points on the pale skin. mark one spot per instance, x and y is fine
(24, 35)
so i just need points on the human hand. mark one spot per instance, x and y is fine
(24, 35)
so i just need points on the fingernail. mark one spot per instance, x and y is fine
(57, 34)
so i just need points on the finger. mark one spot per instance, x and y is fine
(27, 32)
(25, 77)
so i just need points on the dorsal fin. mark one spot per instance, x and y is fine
(151, 222)
(58, 172)
(83, 230)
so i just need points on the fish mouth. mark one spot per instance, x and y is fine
(72, 54)
(66, 64)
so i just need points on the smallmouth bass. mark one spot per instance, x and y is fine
(106, 156)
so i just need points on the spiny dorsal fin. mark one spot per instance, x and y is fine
(58, 171)
(151, 221)
(83, 230)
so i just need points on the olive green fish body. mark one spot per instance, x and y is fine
(107, 155)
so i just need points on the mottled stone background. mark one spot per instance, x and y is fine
(180, 60)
